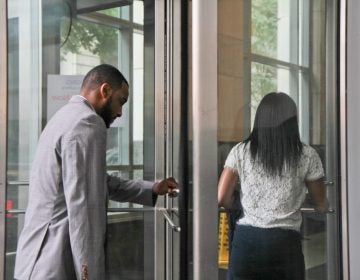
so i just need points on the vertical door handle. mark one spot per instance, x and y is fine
(170, 221)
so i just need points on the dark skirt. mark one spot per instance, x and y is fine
(266, 254)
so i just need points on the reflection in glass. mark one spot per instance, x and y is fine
(12, 221)
(53, 42)
(283, 49)
(138, 98)
(138, 14)
(280, 29)
(86, 45)
(263, 81)
(24, 119)
(264, 27)
(125, 245)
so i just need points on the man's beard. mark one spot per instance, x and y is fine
(105, 112)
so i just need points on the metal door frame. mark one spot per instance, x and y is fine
(158, 55)
(3, 130)
(333, 222)
(205, 111)
(167, 123)
(172, 133)
(350, 98)
(159, 141)
(343, 156)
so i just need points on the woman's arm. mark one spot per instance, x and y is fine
(226, 187)
(317, 192)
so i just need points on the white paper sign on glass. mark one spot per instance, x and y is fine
(62, 87)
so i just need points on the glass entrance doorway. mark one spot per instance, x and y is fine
(284, 46)
(263, 46)
(51, 45)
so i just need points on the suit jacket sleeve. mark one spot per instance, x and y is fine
(137, 191)
(85, 195)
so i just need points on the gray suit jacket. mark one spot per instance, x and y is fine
(64, 232)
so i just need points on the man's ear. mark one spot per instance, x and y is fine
(105, 90)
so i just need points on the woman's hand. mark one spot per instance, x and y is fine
(226, 187)
(317, 190)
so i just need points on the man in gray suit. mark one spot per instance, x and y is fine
(64, 232)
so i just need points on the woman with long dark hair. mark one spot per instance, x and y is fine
(274, 169)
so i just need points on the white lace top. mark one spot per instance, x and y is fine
(273, 201)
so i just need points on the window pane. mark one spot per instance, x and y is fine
(263, 80)
(138, 98)
(264, 27)
(114, 12)
(138, 12)
(280, 30)
(87, 45)
(120, 12)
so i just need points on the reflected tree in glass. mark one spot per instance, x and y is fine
(95, 38)
(263, 81)
(263, 42)
(264, 20)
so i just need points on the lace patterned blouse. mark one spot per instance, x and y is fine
(273, 201)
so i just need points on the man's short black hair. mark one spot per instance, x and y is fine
(103, 73)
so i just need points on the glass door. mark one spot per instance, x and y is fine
(284, 46)
(51, 45)
(173, 243)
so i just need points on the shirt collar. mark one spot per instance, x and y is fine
(80, 98)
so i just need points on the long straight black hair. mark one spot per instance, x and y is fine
(275, 140)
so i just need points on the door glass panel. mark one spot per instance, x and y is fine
(273, 46)
(24, 119)
(279, 28)
(263, 80)
(57, 46)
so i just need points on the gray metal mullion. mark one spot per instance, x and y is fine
(204, 97)
(159, 130)
(247, 68)
(103, 19)
(169, 130)
(121, 210)
(131, 105)
(109, 210)
(307, 27)
(294, 50)
(276, 63)
(124, 167)
(343, 121)
(303, 60)
(294, 85)
(3, 131)
(178, 271)
(102, 5)
(304, 101)
(125, 64)
(308, 59)
(294, 32)
(331, 172)
(172, 210)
